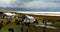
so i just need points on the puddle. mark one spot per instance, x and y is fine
(49, 23)
(47, 26)
(46, 23)
(41, 24)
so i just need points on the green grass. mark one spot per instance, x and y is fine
(31, 28)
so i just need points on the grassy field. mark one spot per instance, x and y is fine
(32, 27)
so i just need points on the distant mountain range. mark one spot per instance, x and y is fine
(31, 9)
(14, 8)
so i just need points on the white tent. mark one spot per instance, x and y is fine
(9, 15)
(29, 19)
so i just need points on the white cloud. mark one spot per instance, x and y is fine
(12, 3)
(29, 3)
(40, 4)
(5, 3)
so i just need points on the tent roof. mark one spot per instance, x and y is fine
(29, 17)
(9, 14)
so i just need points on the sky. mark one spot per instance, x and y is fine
(50, 5)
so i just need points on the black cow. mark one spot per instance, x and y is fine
(10, 30)
(1, 25)
(8, 21)
(17, 22)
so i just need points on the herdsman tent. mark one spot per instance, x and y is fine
(9, 15)
(29, 19)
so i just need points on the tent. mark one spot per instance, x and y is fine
(9, 15)
(29, 19)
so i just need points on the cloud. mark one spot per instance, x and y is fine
(30, 3)
(12, 3)
(41, 4)
(6, 3)
(18, 3)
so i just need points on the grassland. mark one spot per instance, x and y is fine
(32, 27)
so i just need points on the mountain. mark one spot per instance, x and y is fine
(13, 8)
(31, 9)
